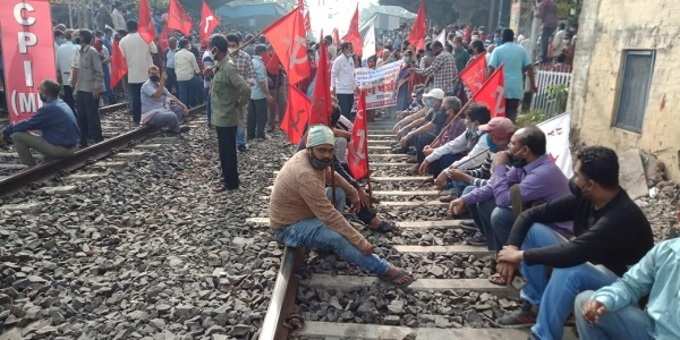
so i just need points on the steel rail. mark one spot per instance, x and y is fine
(283, 296)
(78, 159)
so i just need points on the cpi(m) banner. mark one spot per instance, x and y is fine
(556, 132)
(27, 52)
(380, 84)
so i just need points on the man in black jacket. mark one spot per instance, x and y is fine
(611, 232)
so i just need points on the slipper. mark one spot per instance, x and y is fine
(401, 279)
(497, 279)
(384, 227)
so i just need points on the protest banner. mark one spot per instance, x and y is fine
(380, 84)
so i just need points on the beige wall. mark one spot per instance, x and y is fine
(607, 28)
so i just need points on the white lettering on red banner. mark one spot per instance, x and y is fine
(28, 54)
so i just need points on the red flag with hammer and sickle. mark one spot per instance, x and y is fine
(297, 115)
(288, 39)
(322, 105)
(146, 29)
(492, 94)
(357, 149)
(209, 22)
(178, 18)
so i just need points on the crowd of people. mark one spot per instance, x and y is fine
(566, 237)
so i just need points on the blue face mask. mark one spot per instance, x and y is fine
(492, 146)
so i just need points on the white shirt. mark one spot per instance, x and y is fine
(118, 20)
(65, 54)
(170, 58)
(342, 75)
(186, 66)
(137, 54)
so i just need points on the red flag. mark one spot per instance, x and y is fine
(305, 10)
(321, 99)
(474, 74)
(357, 149)
(353, 34)
(288, 39)
(417, 36)
(209, 21)
(145, 27)
(297, 115)
(118, 64)
(163, 39)
(178, 18)
(492, 94)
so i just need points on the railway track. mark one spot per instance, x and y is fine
(118, 134)
(314, 297)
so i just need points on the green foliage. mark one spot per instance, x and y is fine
(531, 118)
(559, 94)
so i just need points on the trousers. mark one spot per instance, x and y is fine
(88, 118)
(24, 142)
(226, 142)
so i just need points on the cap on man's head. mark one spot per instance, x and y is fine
(436, 94)
(498, 125)
(320, 135)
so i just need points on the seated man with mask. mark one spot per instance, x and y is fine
(160, 109)
(302, 214)
(611, 234)
(524, 165)
(432, 102)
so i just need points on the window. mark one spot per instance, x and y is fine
(635, 81)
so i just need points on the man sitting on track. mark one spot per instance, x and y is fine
(612, 233)
(55, 120)
(526, 166)
(160, 109)
(302, 214)
(431, 101)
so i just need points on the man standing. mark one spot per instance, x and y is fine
(171, 83)
(56, 122)
(546, 10)
(117, 17)
(88, 84)
(186, 68)
(65, 55)
(230, 94)
(259, 96)
(443, 69)
(342, 79)
(137, 54)
(460, 53)
(516, 63)
(302, 214)
(244, 66)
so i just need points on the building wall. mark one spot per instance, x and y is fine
(606, 29)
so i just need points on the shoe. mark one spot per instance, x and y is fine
(469, 226)
(478, 239)
(242, 148)
(446, 199)
(522, 318)
(184, 129)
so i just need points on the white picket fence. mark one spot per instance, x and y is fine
(543, 100)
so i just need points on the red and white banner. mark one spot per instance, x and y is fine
(556, 131)
(380, 84)
(27, 52)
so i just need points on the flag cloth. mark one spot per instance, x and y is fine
(556, 131)
(145, 26)
(297, 115)
(208, 23)
(417, 36)
(305, 10)
(321, 99)
(369, 48)
(288, 39)
(178, 18)
(163, 39)
(357, 148)
(473, 75)
(353, 36)
(492, 95)
(118, 65)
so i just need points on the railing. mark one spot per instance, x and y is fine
(553, 90)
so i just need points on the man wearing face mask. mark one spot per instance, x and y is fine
(442, 157)
(160, 109)
(244, 66)
(526, 165)
(342, 79)
(443, 69)
(426, 127)
(59, 133)
(88, 84)
(302, 214)
(611, 234)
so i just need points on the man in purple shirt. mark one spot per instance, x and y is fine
(526, 165)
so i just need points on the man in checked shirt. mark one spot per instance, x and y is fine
(244, 66)
(443, 69)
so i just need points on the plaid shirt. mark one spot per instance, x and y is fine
(443, 70)
(244, 65)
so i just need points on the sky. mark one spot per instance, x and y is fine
(330, 14)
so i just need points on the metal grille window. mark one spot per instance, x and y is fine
(634, 85)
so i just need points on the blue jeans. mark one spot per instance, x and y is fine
(502, 220)
(184, 92)
(627, 323)
(555, 293)
(240, 137)
(311, 233)
(481, 214)
(208, 108)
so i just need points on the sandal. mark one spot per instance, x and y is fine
(401, 279)
(384, 227)
(497, 279)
